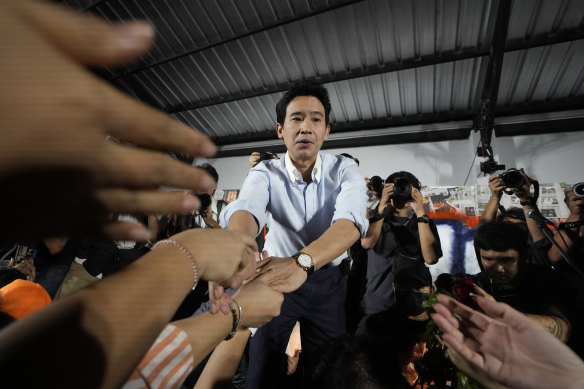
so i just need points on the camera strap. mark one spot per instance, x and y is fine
(568, 225)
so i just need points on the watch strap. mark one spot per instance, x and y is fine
(423, 219)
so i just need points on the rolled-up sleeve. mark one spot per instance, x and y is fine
(351, 201)
(253, 198)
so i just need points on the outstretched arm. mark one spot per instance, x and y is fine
(103, 331)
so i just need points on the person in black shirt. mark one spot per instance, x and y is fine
(538, 291)
(399, 232)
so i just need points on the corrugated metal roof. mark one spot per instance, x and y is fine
(221, 65)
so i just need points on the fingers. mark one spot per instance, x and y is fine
(130, 201)
(132, 121)
(247, 269)
(262, 263)
(126, 231)
(219, 299)
(87, 39)
(130, 167)
(478, 319)
(469, 354)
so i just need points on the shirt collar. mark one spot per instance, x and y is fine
(295, 175)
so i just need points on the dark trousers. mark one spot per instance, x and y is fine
(319, 307)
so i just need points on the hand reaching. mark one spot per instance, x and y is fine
(49, 98)
(259, 303)
(282, 274)
(508, 346)
(222, 256)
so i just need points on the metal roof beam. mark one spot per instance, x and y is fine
(386, 68)
(270, 26)
(487, 104)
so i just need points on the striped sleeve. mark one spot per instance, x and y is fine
(166, 364)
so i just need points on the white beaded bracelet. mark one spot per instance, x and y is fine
(185, 251)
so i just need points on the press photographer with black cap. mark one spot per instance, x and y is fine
(399, 231)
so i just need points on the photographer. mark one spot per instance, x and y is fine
(518, 183)
(204, 215)
(570, 239)
(400, 231)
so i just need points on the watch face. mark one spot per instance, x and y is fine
(305, 260)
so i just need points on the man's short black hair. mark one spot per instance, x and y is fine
(303, 88)
(405, 175)
(502, 236)
(211, 170)
(514, 213)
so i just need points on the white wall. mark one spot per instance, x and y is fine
(549, 158)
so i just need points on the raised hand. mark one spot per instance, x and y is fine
(55, 117)
(507, 346)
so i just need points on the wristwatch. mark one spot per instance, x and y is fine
(423, 219)
(304, 261)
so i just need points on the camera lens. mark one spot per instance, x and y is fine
(578, 189)
(402, 190)
(512, 178)
(376, 183)
(205, 201)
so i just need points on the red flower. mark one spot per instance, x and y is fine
(461, 290)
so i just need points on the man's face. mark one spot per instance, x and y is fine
(501, 266)
(304, 128)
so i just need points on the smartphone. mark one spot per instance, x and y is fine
(24, 253)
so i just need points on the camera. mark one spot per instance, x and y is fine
(402, 190)
(205, 200)
(513, 178)
(578, 189)
(376, 184)
(266, 156)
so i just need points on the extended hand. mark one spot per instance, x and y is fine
(259, 303)
(49, 98)
(282, 274)
(507, 345)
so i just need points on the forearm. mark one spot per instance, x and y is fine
(222, 364)
(428, 244)
(205, 332)
(103, 331)
(372, 236)
(566, 239)
(556, 326)
(532, 225)
(374, 230)
(490, 212)
(335, 240)
(244, 222)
